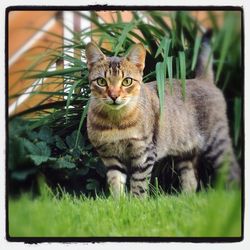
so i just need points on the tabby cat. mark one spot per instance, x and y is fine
(125, 127)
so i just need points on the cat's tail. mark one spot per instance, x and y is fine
(204, 68)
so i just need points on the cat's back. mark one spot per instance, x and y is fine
(203, 98)
(189, 115)
(195, 90)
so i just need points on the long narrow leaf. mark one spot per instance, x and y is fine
(225, 46)
(183, 73)
(177, 66)
(160, 48)
(60, 72)
(84, 114)
(165, 55)
(159, 20)
(73, 87)
(123, 36)
(160, 84)
(196, 50)
(170, 72)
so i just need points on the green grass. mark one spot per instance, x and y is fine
(205, 214)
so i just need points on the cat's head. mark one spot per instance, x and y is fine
(115, 82)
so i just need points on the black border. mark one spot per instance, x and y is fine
(124, 239)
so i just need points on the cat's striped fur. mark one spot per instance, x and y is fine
(125, 127)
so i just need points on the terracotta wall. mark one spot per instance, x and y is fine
(26, 45)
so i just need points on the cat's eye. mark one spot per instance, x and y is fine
(101, 82)
(127, 82)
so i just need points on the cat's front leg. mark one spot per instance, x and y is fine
(116, 175)
(141, 169)
(187, 176)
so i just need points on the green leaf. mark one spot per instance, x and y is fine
(84, 113)
(170, 72)
(160, 47)
(163, 47)
(72, 88)
(31, 147)
(23, 174)
(145, 29)
(32, 135)
(38, 159)
(75, 136)
(166, 48)
(183, 72)
(160, 84)
(43, 148)
(17, 153)
(76, 153)
(227, 34)
(60, 143)
(182, 39)
(54, 73)
(196, 50)
(70, 140)
(62, 163)
(128, 27)
(177, 66)
(159, 21)
(45, 134)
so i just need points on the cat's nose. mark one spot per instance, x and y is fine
(113, 93)
(114, 97)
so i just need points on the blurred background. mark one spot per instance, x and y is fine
(48, 82)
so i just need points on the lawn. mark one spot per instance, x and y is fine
(205, 214)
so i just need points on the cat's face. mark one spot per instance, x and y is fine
(115, 82)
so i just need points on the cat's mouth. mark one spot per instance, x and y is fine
(116, 104)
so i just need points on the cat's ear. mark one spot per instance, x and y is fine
(93, 54)
(136, 55)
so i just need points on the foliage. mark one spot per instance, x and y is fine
(56, 135)
(41, 151)
(206, 214)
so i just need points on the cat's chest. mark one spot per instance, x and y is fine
(123, 149)
(114, 136)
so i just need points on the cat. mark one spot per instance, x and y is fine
(126, 128)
